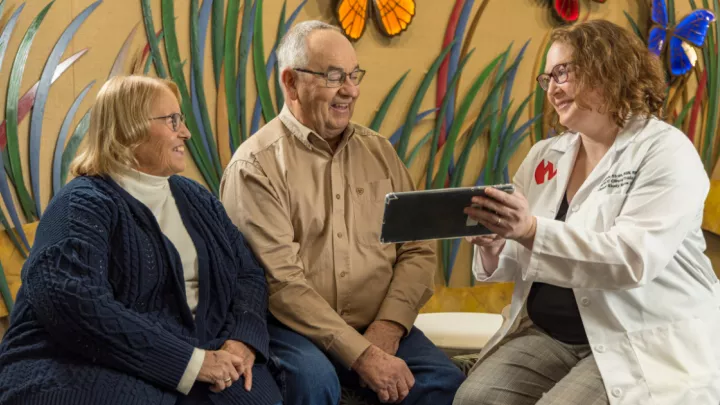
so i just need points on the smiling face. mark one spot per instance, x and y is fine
(562, 95)
(162, 153)
(325, 110)
(575, 114)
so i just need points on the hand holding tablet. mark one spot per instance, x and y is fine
(433, 214)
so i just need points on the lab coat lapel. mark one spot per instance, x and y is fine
(552, 174)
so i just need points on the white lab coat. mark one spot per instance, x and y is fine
(632, 249)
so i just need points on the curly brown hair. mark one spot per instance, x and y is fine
(614, 61)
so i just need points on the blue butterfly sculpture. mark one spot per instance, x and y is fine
(691, 29)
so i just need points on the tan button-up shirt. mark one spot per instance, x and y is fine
(313, 218)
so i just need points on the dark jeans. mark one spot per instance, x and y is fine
(309, 377)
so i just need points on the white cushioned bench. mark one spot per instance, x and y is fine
(459, 332)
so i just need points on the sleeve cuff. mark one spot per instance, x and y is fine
(530, 259)
(191, 372)
(348, 346)
(168, 361)
(397, 312)
(478, 268)
(252, 330)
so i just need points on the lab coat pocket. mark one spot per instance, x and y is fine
(368, 208)
(602, 210)
(677, 359)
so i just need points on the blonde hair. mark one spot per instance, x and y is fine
(119, 122)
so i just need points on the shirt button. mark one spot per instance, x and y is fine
(343, 274)
(337, 196)
(585, 301)
(600, 348)
(575, 208)
(339, 234)
(616, 392)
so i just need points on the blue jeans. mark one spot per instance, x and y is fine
(309, 377)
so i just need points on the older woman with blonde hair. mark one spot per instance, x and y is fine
(138, 289)
(615, 301)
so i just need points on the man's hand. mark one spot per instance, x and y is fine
(246, 354)
(385, 335)
(387, 375)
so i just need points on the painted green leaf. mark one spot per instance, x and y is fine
(5, 290)
(444, 106)
(10, 232)
(382, 111)
(491, 171)
(417, 100)
(714, 96)
(233, 8)
(416, 149)
(57, 182)
(683, 113)
(477, 130)
(218, 37)
(152, 39)
(243, 55)
(540, 98)
(460, 119)
(38, 111)
(279, 99)
(261, 80)
(175, 66)
(11, 114)
(72, 146)
(199, 90)
(634, 26)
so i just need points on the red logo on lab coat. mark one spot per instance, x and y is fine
(544, 171)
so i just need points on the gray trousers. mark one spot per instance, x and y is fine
(532, 368)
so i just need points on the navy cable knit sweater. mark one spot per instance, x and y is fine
(101, 317)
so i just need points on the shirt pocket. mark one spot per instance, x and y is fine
(368, 201)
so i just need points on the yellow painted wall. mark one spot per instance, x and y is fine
(385, 60)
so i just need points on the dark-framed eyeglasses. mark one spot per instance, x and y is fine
(559, 73)
(336, 77)
(175, 120)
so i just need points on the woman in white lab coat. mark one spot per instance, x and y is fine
(614, 301)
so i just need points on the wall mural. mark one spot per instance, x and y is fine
(236, 37)
(392, 17)
(567, 11)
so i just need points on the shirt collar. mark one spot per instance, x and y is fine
(306, 135)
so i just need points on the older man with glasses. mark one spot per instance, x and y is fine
(307, 190)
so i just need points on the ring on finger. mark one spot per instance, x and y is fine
(228, 380)
(499, 221)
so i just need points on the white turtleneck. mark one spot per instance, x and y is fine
(154, 192)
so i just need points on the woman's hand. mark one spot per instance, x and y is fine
(506, 215)
(220, 369)
(246, 354)
(491, 243)
(490, 247)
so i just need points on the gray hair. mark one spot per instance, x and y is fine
(292, 51)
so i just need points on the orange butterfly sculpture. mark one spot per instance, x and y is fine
(391, 16)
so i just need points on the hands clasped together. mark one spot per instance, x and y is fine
(221, 368)
(379, 368)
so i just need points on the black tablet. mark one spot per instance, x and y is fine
(432, 214)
